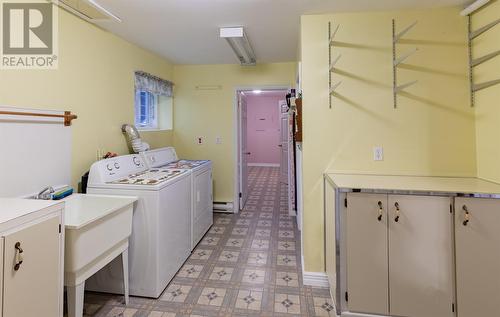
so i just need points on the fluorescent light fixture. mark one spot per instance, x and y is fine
(88, 10)
(474, 7)
(257, 91)
(237, 39)
(104, 10)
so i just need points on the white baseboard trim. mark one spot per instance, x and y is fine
(318, 279)
(264, 164)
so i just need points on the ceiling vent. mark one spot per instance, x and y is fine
(88, 10)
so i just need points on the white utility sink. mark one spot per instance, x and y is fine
(97, 231)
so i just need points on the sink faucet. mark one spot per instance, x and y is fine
(46, 193)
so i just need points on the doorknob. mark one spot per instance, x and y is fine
(280, 145)
(397, 211)
(248, 153)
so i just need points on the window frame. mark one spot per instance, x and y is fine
(151, 125)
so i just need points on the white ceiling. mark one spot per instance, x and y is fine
(186, 31)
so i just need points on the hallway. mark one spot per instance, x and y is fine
(248, 264)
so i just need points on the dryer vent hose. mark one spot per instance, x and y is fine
(134, 138)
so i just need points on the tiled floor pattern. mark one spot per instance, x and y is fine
(246, 265)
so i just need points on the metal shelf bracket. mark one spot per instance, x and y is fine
(334, 87)
(398, 36)
(485, 85)
(476, 33)
(396, 61)
(473, 62)
(332, 63)
(332, 35)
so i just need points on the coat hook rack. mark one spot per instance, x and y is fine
(332, 63)
(473, 62)
(396, 61)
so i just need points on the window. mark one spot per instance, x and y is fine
(153, 102)
(146, 110)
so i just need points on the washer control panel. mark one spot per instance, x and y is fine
(108, 170)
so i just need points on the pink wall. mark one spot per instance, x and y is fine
(263, 128)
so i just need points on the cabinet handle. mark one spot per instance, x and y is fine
(397, 212)
(466, 216)
(18, 257)
(380, 211)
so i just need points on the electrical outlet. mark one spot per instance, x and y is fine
(199, 140)
(218, 140)
(378, 153)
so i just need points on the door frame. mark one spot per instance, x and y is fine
(237, 134)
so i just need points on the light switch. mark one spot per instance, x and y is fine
(378, 153)
(218, 140)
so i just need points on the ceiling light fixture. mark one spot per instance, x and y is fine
(104, 10)
(237, 39)
(474, 7)
(88, 10)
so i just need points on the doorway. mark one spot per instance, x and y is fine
(264, 142)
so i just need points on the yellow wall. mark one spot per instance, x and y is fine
(487, 103)
(95, 81)
(431, 133)
(209, 113)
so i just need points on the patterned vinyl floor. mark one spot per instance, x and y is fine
(247, 265)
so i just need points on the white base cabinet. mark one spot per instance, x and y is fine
(477, 256)
(413, 246)
(399, 255)
(32, 264)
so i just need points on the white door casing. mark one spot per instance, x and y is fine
(286, 157)
(237, 128)
(284, 142)
(244, 153)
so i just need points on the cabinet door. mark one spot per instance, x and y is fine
(367, 280)
(420, 256)
(478, 257)
(33, 289)
(203, 193)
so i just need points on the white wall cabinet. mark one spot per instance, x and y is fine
(32, 264)
(399, 253)
(477, 256)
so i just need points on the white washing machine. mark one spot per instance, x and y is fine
(201, 187)
(161, 228)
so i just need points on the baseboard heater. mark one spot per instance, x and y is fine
(222, 206)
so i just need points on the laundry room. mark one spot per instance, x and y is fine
(249, 158)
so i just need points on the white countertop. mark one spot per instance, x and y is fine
(11, 208)
(465, 185)
(82, 209)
